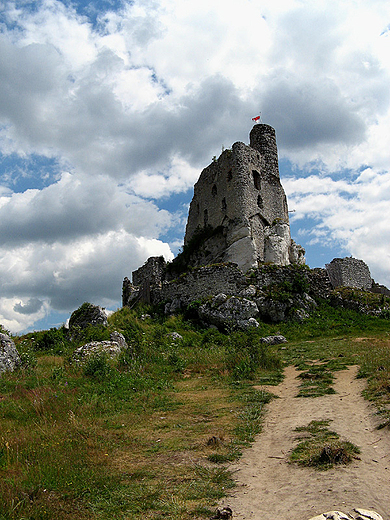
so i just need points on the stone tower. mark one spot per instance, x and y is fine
(240, 206)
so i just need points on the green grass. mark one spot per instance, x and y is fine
(99, 439)
(317, 378)
(322, 448)
(151, 435)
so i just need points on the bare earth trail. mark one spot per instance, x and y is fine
(269, 488)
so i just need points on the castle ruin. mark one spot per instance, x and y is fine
(239, 197)
(238, 242)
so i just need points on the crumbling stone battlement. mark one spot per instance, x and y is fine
(196, 284)
(153, 271)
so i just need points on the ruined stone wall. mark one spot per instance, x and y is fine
(320, 285)
(200, 283)
(315, 282)
(380, 289)
(349, 272)
(211, 280)
(152, 271)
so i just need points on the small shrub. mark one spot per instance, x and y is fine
(300, 284)
(57, 373)
(126, 358)
(90, 333)
(97, 366)
(214, 337)
(219, 458)
(52, 340)
(191, 312)
(175, 361)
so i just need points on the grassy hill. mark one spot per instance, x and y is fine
(151, 434)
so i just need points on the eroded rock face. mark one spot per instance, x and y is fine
(277, 244)
(9, 357)
(224, 312)
(297, 254)
(297, 307)
(111, 348)
(88, 314)
(364, 514)
(118, 337)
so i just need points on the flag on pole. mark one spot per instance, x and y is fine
(256, 118)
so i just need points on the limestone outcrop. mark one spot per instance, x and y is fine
(296, 306)
(111, 348)
(88, 314)
(273, 340)
(9, 357)
(224, 312)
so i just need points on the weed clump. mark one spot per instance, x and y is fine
(316, 381)
(323, 449)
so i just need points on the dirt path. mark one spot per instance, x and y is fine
(269, 488)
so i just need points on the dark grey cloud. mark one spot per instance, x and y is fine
(307, 114)
(31, 307)
(211, 115)
(32, 80)
(82, 120)
(76, 207)
(322, 90)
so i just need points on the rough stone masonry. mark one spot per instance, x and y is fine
(240, 196)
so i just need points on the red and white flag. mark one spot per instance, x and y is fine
(256, 118)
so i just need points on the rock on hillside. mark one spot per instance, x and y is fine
(111, 348)
(224, 312)
(88, 314)
(9, 357)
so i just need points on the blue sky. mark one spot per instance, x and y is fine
(109, 111)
